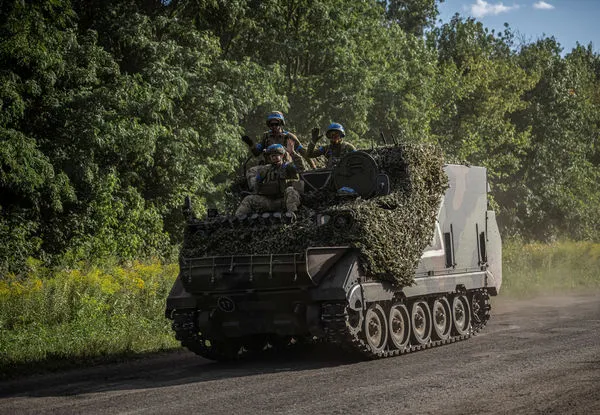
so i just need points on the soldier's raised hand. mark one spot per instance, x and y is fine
(291, 172)
(248, 141)
(315, 134)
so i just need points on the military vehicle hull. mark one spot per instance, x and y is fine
(226, 306)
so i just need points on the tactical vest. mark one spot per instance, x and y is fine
(271, 183)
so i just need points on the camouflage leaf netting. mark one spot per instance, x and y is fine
(390, 232)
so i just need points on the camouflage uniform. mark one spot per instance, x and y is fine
(275, 190)
(293, 147)
(288, 140)
(332, 152)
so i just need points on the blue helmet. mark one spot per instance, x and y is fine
(336, 127)
(275, 115)
(275, 149)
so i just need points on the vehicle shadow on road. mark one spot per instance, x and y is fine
(171, 369)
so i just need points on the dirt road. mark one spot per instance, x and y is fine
(535, 356)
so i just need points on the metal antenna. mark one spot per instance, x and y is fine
(382, 137)
(187, 210)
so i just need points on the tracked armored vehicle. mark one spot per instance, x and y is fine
(392, 252)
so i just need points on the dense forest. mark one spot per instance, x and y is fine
(112, 111)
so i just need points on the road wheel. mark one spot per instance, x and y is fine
(442, 318)
(421, 322)
(375, 328)
(461, 315)
(399, 326)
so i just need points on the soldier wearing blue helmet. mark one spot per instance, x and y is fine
(277, 135)
(336, 147)
(273, 184)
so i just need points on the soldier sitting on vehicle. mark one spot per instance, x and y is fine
(277, 135)
(274, 184)
(336, 147)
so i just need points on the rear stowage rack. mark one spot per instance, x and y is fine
(244, 272)
(262, 271)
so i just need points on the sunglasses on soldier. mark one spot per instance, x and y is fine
(273, 124)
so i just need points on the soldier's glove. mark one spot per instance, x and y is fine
(290, 171)
(315, 134)
(248, 141)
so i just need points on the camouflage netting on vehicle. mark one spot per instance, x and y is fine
(390, 232)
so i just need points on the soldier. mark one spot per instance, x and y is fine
(336, 147)
(274, 185)
(277, 135)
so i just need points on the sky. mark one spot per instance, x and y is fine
(569, 21)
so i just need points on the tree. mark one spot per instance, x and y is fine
(560, 171)
(99, 146)
(403, 89)
(413, 16)
(328, 52)
(480, 87)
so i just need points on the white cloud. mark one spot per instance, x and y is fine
(482, 8)
(542, 5)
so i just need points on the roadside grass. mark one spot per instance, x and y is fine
(56, 318)
(531, 269)
(74, 315)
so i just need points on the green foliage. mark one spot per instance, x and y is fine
(68, 314)
(99, 145)
(530, 117)
(559, 172)
(481, 85)
(402, 94)
(414, 16)
(328, 51)
(531, 269)
(112, 111)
